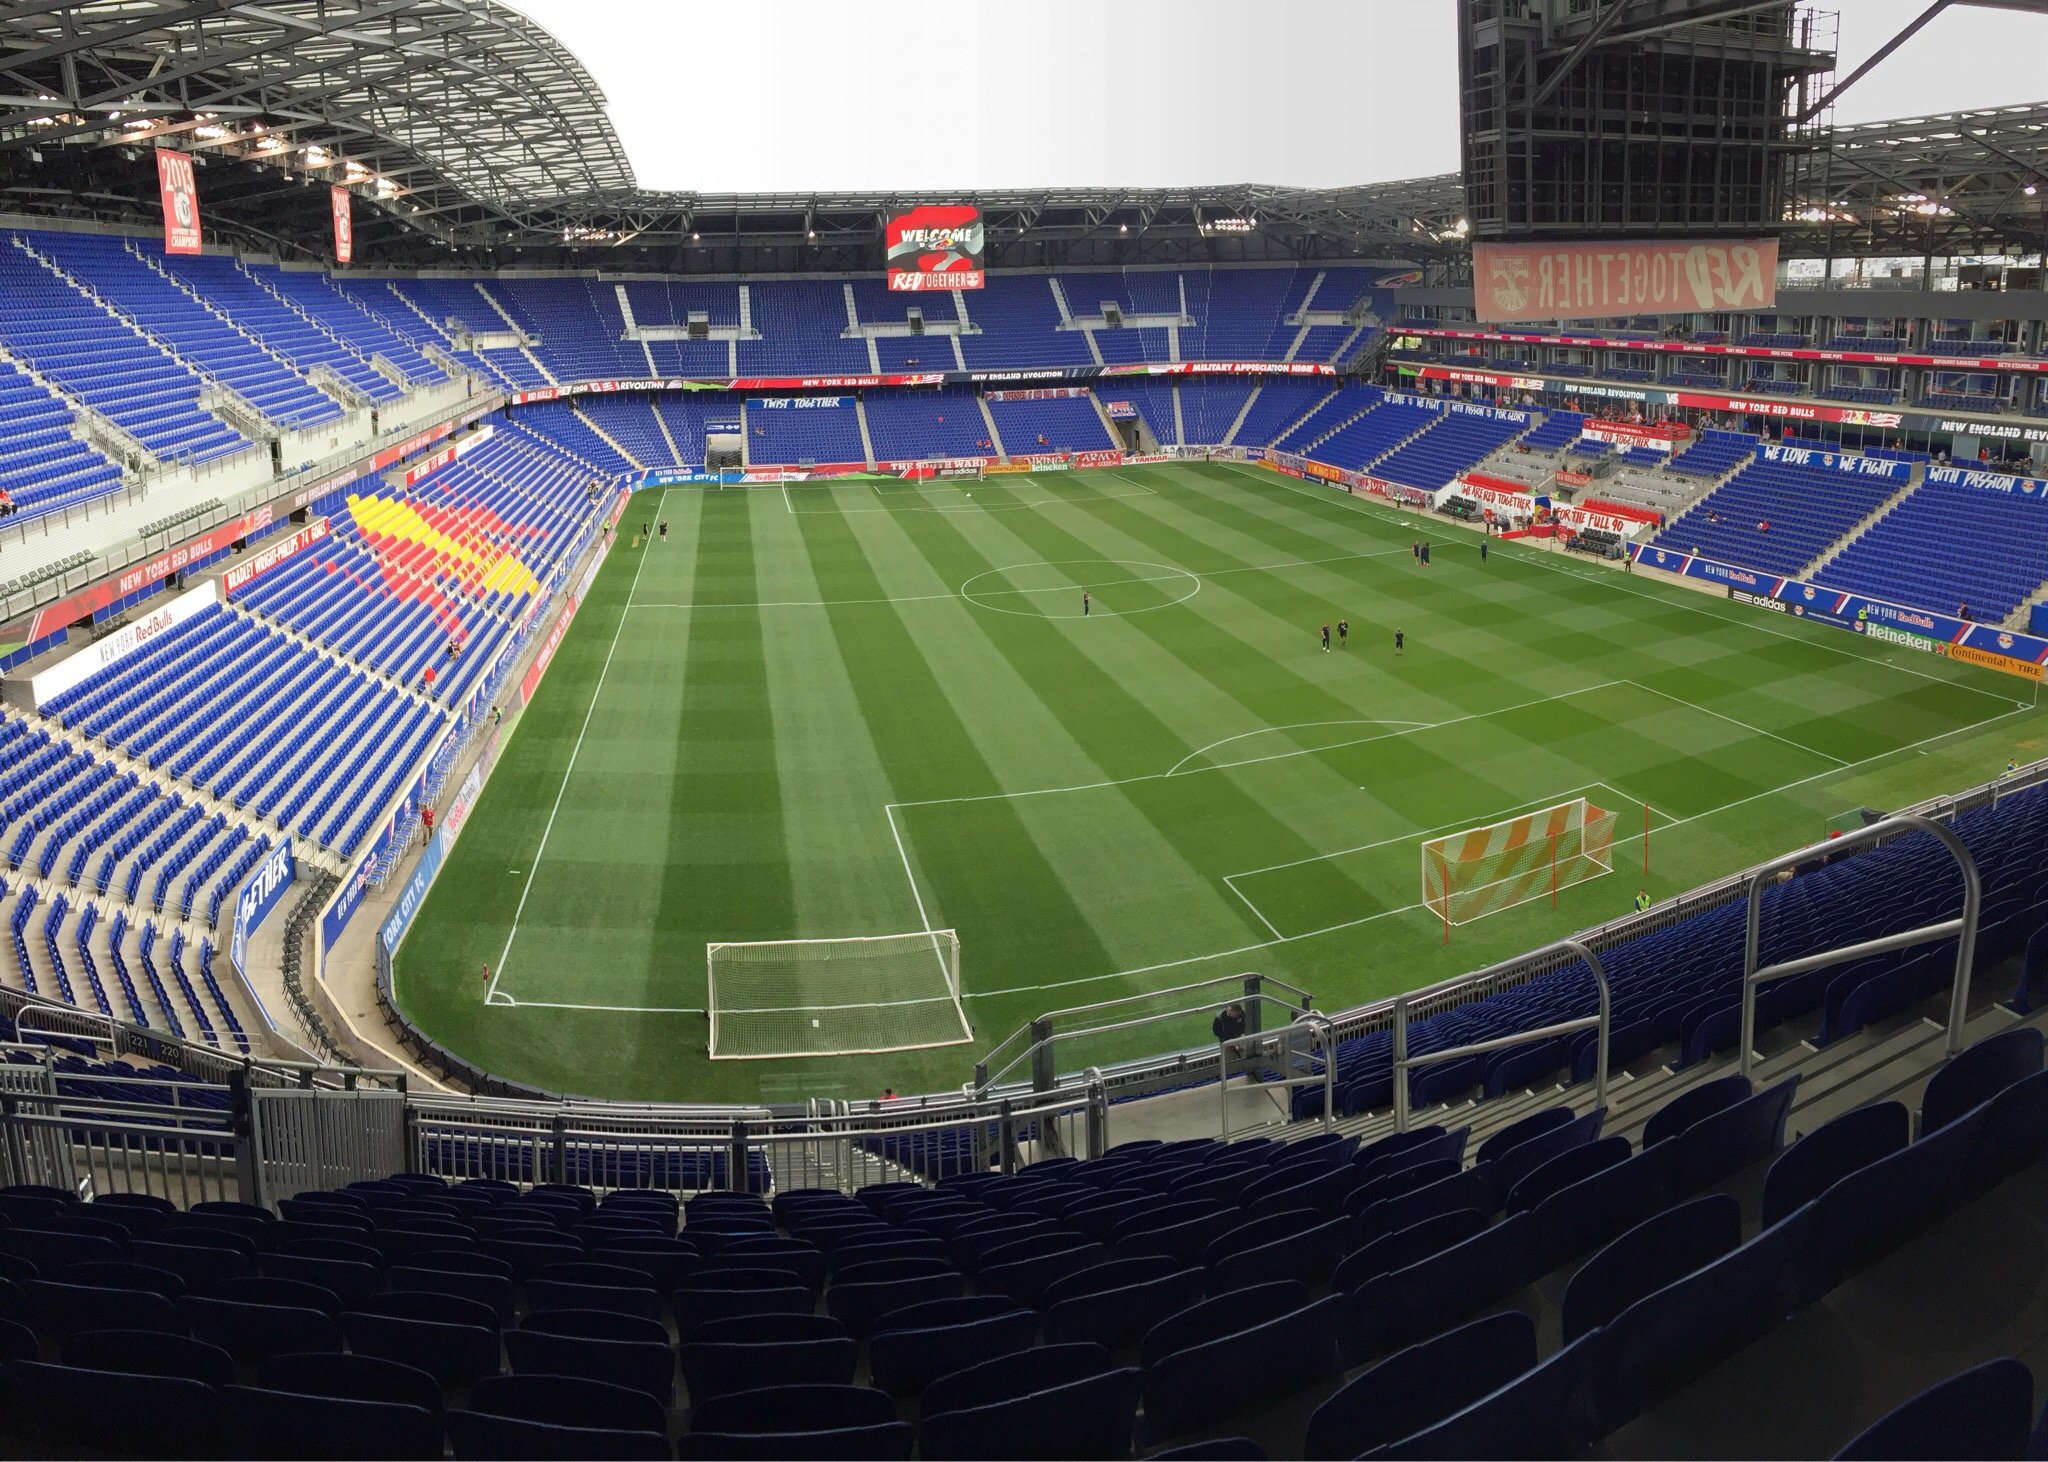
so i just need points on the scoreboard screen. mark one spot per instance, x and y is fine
(935, 246)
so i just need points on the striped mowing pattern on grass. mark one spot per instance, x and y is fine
(820, 711)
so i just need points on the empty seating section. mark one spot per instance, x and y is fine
(802, 328)
(1209, 406)
(286, 332)
(1333, 411)
(459, 309)
(1777, 516)
(122, 860)
(1455, 444)
(369, 331)
(119, 271)
(1989, 551)
(582, 332)
(1715, 454)
(1360, 443)
(687, 417)
(1557, 431)
(804, 429)
(943, 422)
(1019, 323)
(1280, 403)
(631, 422)
(44, 465)
(1060, 424)
(568, 427)
(1153, 401)
(70, 342)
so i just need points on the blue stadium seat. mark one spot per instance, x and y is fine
(1985, 1411)
(1211, 1382)
(904, 1359)
(1833, 1150)
(62, 1409)
(1657, 1252)
(1976, 1075)
(1544, 1413)
(1092, 1416)
(263, 1423)
(1422, 1385)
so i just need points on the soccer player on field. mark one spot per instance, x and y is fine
(1344, 634)
(1399, 640)
(1087, 604)
(1326, 639)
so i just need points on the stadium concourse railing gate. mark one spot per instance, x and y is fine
(261, 1130)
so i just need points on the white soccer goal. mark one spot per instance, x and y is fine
(1483, 870)
(858, 996)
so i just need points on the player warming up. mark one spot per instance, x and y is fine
(1343, 634)
(1326, 639)
(1087, 604)
(1400, 641)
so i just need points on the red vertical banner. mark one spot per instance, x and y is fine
(180, 190)
(344, 227)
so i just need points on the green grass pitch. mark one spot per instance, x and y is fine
(820, 711)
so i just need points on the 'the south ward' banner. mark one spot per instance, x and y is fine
(936, 246)
(180, 190)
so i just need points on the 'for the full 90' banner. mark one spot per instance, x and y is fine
(180, 189)
(344, 225)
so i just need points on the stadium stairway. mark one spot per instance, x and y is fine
(608, 439)
(867, 440)
(1869, 520)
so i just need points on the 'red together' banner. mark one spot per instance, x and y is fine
(180, 190)
(1575, 281)
(338, 202)
(935, 246)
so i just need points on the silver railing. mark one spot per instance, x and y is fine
(1304, 1054)
(1962, 928)
(1602, 1022)
(1034, 1048)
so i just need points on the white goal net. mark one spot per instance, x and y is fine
(1483, 870)
(835, 997)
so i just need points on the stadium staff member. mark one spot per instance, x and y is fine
(1642, 901)
(1228, 1024)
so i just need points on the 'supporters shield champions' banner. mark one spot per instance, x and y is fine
(180, 190)
(935, 246)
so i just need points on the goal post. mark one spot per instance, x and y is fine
(1482, 870)
(858, 996)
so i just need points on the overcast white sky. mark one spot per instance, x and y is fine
(767, 96)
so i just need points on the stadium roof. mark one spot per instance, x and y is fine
(479, 137)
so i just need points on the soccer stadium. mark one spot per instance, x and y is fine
(686, 776)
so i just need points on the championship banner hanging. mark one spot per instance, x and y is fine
(339, 199)
(1577, 281)
(935, 246)
(180, 190)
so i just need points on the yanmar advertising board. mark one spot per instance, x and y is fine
(935, 246)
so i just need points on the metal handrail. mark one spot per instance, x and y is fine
(1321, 1031)
(1963, 926)
(1603, 1023)
(986, 1081)
(1029, 1031)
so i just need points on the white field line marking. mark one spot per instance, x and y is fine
(596, 695)
(1758, 730)
(1249, 568)
(1293, 726)
(1536, 558)
(1263, 944)
(1257, 760)
(1050, 500)
(1411, 908)
(1450, 827)
(1257, 912)
(922, 917)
